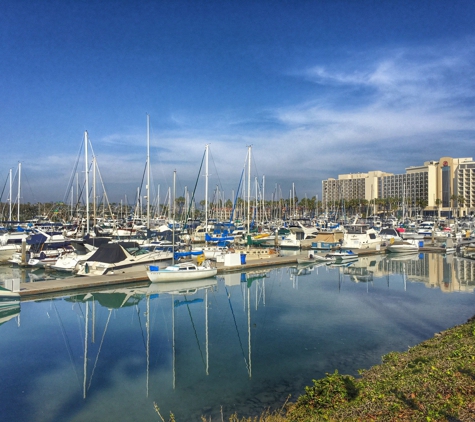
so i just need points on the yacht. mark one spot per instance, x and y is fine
(407, 246)
(123, 257)
(10, 242)
(361, 236)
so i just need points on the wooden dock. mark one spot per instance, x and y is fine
(61, 287)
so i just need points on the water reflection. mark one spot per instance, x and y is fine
(243, 341)
(449, 273)
(10, 313)
(29, 275)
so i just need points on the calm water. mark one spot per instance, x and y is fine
(242, 343)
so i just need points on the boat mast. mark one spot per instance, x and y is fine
(10, 199)
(248, 189)
(72, 202)
(293, 200)
(256, 213)
(206, 188)
(148, 172)
(263, 216)
(94, 205)
(173, 220)
(19, 188)
(169, 204)
(87, 182)
(158, 201)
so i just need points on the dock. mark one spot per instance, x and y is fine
(60, 287)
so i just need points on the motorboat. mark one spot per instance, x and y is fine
(42, 246)
(340, 256)
(406, 246)
(426, 228)
(390, 234)
(122, 257)
(10, 242)
(361, 236)
(313, 257)
(69, 262)
(181, 271)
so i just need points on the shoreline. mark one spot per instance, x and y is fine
(432, 381)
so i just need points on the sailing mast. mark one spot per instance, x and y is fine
(94, 205)
(248, 189)
(87, 182)
(206, 187)
(19, 188)
(10, 199)
(173, 221)
(148, 172)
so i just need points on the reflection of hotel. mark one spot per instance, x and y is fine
(449, 274)
(439, 185)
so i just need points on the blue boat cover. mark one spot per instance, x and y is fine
(178, 255)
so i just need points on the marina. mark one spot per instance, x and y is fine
(242, 341)
(68, 284)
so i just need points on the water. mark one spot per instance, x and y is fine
(241, 343)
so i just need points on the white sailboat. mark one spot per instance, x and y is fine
(183, 271)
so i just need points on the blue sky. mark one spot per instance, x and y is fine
(318, 88)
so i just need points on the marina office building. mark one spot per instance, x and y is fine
(446, 186)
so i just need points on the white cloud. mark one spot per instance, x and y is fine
(382, 110)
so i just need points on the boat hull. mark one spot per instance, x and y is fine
(167, 276)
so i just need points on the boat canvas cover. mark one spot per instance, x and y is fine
(179, 255)
(109, 253)
(208, 238)
(36, 239)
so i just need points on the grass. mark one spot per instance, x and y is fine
(433, 381)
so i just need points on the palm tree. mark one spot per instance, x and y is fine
(421, 203)
(453, 198)
(460, 201)
(437, 204)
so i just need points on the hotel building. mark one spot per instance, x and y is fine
(446, 186)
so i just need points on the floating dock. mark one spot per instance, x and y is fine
(61, 287)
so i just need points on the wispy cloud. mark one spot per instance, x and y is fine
(379, 110)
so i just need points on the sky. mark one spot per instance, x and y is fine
(316, 88)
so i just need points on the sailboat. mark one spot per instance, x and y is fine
(181, 271)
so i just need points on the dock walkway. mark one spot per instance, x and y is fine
(61, 287)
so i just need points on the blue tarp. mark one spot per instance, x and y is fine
(208, 238)
(178, 255)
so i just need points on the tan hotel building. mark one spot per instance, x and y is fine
(434, 180)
